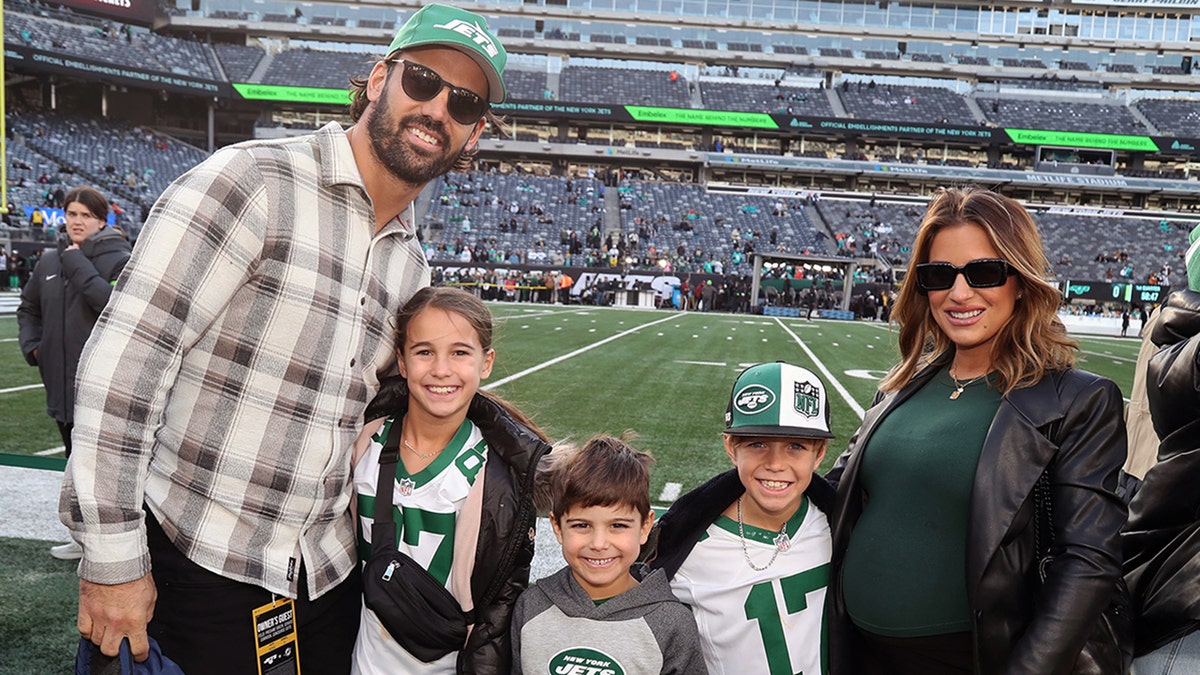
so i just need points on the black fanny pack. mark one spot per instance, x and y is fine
(414, 607)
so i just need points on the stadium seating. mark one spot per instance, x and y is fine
(903, 103)
(144, 51)
(1180, 117)
(143, 163)
(316, 68)
(1147, 243)
(589, 84)
(525, 84)
(238, 61)
(765, 97)
(1050, 81)
(1061, 115)
(83, 146)
(714, 217)
(486, 201)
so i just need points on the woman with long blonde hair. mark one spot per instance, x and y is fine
(941, 565)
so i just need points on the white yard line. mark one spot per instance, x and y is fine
(1114, 357)
(829, 377)
(546, 311)
(577, 352)
(670, 492)
(26, 387)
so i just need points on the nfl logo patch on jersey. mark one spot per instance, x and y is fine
(407, 485)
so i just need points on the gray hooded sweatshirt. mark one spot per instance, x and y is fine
(558, 630)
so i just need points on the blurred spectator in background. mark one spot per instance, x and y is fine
(67, 291)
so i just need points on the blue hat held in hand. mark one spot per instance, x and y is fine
(89, 661)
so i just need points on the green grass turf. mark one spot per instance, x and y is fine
(38, 597)
(25, 428)
(664, 375)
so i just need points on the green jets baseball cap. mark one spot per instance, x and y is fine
(778, 399)
(441, 25)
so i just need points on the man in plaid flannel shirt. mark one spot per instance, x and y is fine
(224, 385)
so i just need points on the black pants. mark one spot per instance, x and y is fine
(949, 654)
(202, 620)
(64, 429)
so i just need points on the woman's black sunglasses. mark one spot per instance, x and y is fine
(422, 84)
(985, 273)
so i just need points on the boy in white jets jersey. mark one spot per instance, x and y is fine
(749, 550)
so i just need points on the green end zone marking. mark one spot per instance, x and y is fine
(1081, 140)
(33, 462)
(271, 92)
(717, 118)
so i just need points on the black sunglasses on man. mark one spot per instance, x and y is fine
(422, 84)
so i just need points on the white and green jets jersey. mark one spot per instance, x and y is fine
(425, 510)
(770, 621)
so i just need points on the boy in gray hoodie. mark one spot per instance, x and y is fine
(601, 613)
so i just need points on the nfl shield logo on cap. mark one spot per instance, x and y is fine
(778, 399)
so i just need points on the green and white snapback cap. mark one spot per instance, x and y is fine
(442, 25)
(778, 399)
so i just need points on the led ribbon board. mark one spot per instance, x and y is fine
(1079, 139)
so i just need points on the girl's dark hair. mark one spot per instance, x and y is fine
(91, 198)
(359, 102)
(604, 472)
(476, 315)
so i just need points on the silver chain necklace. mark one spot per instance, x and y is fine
(782, 542)
(959, 386)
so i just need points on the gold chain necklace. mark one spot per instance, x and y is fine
(422, 455)
(959, 386)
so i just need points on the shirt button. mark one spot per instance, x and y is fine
(352, 362)
(363, 301)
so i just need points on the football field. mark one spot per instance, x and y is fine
(579, 371)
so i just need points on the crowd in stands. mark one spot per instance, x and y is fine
(49, 154)
(934, 105)
(565, 221)
(573, 221)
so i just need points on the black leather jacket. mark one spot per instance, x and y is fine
(1014, 631)
(1162, 540)
(506, 541)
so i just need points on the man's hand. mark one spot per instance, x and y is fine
(109, 613)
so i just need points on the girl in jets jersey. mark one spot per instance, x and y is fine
(462, 495)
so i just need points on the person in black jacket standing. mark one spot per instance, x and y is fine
(66, 292)
(1162, 539)
(935, 546)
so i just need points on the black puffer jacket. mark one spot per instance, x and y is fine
(60, 305)
(506, 531)
(1162, 540)
(1071, 419)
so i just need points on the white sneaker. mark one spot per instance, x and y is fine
(68, 551)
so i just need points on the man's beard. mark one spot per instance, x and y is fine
(392, 149)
